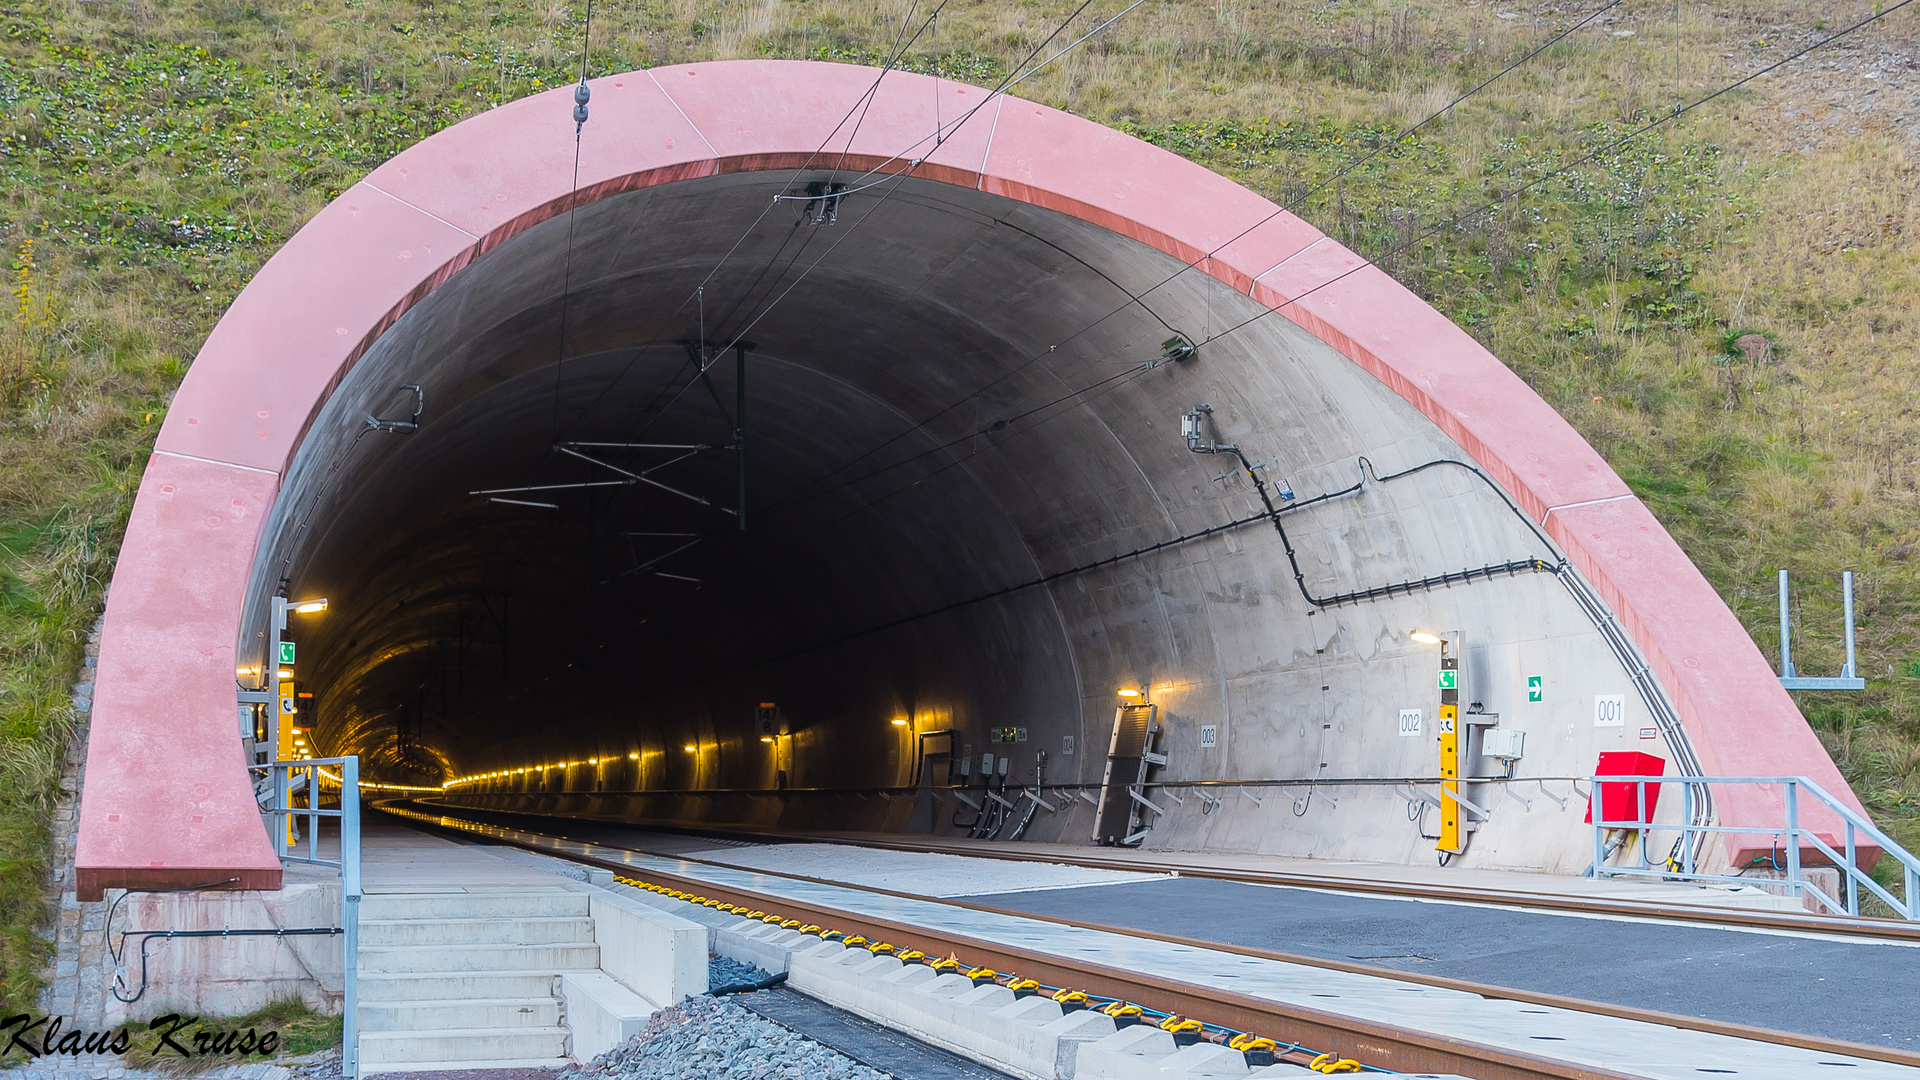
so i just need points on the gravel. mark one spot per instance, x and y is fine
(724, 972)
(707, 1038)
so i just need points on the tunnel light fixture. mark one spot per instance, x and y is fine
(690, 748)
(899, 721)
(285, 674)
(310, 607)
(1128, 692)
(633, 757)
(1425, 637)
(769, 738)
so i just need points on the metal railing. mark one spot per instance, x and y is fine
(1789, 836)
(289, 781)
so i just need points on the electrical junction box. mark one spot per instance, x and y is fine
(1620, 800)
(1507, 744)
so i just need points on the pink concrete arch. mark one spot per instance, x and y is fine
(167, 801)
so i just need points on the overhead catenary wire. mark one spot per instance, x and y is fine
(1138, 298)
(1492, 204)
(894, 178)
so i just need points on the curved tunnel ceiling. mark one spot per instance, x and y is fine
(948, 396)
(928, 421)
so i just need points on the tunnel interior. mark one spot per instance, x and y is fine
(948, 395)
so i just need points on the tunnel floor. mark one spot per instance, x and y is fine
(1863, 992)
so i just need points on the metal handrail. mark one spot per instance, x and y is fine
(279, 816)
(1855, 826)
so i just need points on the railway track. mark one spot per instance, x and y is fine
(1386, 1046)
(1145, 863)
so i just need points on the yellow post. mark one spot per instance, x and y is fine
(283, 742)
(1450, 779)
(1451, 838)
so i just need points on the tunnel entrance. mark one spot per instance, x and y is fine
(948, 394)
(511, 423)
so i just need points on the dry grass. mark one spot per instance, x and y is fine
(155, 154)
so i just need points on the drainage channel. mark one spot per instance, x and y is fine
(1383, 1019)
(870, 1044)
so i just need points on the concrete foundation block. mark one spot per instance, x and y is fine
(947, 986)
(990, 996)
(910, 975)
(1132, 1053)
(1206, 1060)
(601, 1013)
(1037, 1011)
(656, 954)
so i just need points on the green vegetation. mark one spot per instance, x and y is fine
(1724, 308)
(301, 1031)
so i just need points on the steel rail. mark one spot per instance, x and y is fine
(1809, 922)
(1402, 1049)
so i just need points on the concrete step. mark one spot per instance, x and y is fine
(463, 1066)
(514, 930)
(442, 1045)
(469, 905)
(398, 959)
(430, 1015)
(453, 986)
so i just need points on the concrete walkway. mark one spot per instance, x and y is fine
(396, 859)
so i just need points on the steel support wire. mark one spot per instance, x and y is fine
(864, 99)
(1139, 298)
(906, 173)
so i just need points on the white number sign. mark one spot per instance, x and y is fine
(1209, 735)
(1609, 710)
(1409, 723)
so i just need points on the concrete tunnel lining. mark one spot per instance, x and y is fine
(1042, 220)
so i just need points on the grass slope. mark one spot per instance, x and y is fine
(155, 155)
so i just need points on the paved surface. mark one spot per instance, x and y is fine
(1867, 993)
(1576, 1036)
(1839, 989)
(865, 1042)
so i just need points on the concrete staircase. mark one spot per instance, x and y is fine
(468, 980)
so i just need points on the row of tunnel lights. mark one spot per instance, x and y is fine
(1259, 1051)
(1127, 692)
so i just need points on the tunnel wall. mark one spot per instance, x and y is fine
(180, 598)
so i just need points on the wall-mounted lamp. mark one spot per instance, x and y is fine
(766, 738)
(1425, 637)
(309, 607)
(633, 757)
(899, 721)
(285, 674)
(1129, 692)
(690, 748)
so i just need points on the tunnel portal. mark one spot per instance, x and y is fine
(755, 474)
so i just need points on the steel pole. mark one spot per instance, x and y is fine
(350, 914)
(1786, 634)
(1847, 601)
